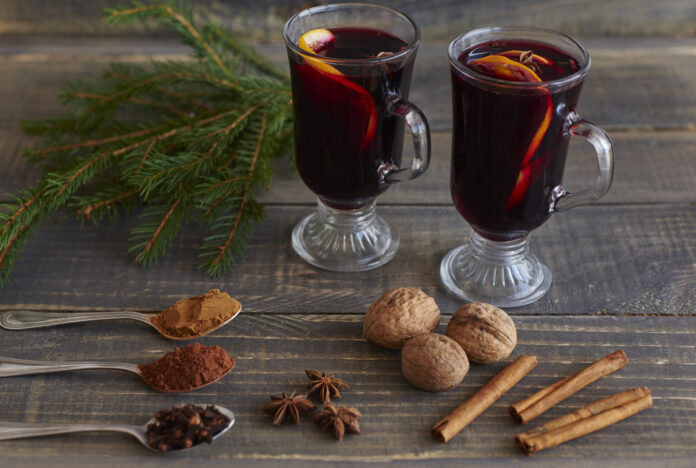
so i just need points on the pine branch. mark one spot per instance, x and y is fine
(161, 225)
(245, 52)
(218, 263)
(177, 138)
(181, 20)
(17, 226)
(105, 202)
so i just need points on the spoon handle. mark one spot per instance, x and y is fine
(11, 430)
(23, 319)
(10, 367)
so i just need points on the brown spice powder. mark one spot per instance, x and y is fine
(187, 368)
(196, 316)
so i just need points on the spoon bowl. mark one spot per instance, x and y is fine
(10, 367)
(11, 430)
(27, 319)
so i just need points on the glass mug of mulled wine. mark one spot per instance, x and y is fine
(514, 94)
(350, 67)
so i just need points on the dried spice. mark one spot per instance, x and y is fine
(590, 418)
(196, 316)
(327, 387)
(546, 398)
(527, 59)
(285, 407)
(339, 420)
(185, 426)
(187, 368)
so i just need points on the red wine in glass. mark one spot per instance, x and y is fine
(350, 67)
(508, 149)
(514, 93)
(343, 131)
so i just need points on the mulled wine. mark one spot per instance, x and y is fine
(350, 66)
(344, 132)
(509, 144)
(514, 93)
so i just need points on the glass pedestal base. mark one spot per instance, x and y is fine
(504, 274)
(345, 240)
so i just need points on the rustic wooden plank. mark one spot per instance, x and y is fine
(619, 93)
(441, 19)
(605, 259)
(651, 167)
(272, 351)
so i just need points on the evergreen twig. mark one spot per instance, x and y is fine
(175, 138)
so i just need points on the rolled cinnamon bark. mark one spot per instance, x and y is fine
(591, 418)
(525, 410)
(593, 408)
(458, 419)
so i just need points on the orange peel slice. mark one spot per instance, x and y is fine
(502, 67)
(540, 133)
(316, 41)
(537, 58)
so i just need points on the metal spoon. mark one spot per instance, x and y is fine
(11, 430)
(25, 319)
(10, 367)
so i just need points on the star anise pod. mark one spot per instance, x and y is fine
(327, 387)
(527, 59)
(340, 420)
(288, 406)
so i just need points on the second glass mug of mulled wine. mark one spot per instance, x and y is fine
(350, 66)
(514, 94)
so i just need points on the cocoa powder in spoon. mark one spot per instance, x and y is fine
(187, 368)
(196, 316)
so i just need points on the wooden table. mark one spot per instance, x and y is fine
(624, 276)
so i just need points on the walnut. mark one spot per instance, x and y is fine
(485, 332)
(399, 315)
(433, 362)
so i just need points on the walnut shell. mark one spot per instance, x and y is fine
(433, 362)
(485, 332)
(400, 314)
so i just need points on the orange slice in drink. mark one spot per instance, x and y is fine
(500, 66)
(316, 41)
(518, 53)
(504, 68)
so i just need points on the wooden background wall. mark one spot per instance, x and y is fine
(262, 20)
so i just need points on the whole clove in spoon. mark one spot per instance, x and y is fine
(185, 369)
(180, 428)
(187, 319)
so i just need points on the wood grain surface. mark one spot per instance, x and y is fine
(632, 85)
(605, 259)
(624, 270)
(272, 351)
(439, 19)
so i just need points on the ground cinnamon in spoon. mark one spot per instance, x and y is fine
(196, 316)
(187, 368)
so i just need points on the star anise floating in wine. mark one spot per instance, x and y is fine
(527, 59)
(288, 407)
(340, 420)
(327, 387)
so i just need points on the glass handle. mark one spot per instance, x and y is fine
(562, 200)
(420, 131)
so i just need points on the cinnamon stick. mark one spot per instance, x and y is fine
(460, 417)
(588, 419)
(525, 410)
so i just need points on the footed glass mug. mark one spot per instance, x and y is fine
(350, 66)
(514, 94)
